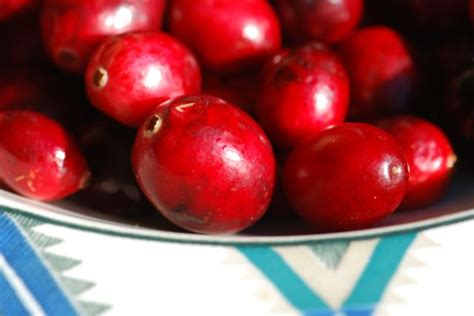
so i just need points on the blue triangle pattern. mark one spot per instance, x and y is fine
(21, 258)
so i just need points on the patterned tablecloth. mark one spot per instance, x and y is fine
(56, 266)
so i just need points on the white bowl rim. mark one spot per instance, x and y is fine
(14, 204)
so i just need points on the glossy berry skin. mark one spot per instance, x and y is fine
(226, 35)
(302, 92)
(205, 165)
(429, 155)
(72, 29)
(348, 177)
(323, 20)
(38, 159)
(381, 71)
(130, 74)
(9, 8)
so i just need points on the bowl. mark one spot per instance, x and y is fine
(457, 205)
(67, 258)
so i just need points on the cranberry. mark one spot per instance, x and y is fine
(205, 164)
(349, 176)
(324, 20)
(72, 29)
(429, 155)
(240, 90)
(130, 74)
(226, 35)
(38, 159)
(381, 71)
(9, 8)
(303, 91)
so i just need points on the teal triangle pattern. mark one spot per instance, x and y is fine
(93, 308)
(43, 241)
(26, 222)
(367, 292)
(76, 286)
(60, 264)
(383, 264)
(330, 252)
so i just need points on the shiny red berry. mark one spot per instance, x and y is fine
(226, 35)
(9, 8)
(348, 177)
(381, 71)
(72, 29)
(302, 92)
(38, 159)
(205, 164)
(429, 155)
(129, 75)
(324, 20)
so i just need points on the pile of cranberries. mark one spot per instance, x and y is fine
(337, 111)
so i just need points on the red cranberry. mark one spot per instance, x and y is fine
(205, 164)
(429, 155)
(349, 176)
(240, 90)
(303, 91)
(37, 157)
(226, 35)
(9, 8)
(381, 71)
(130, 74)
(72, 29)
(324, 20)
